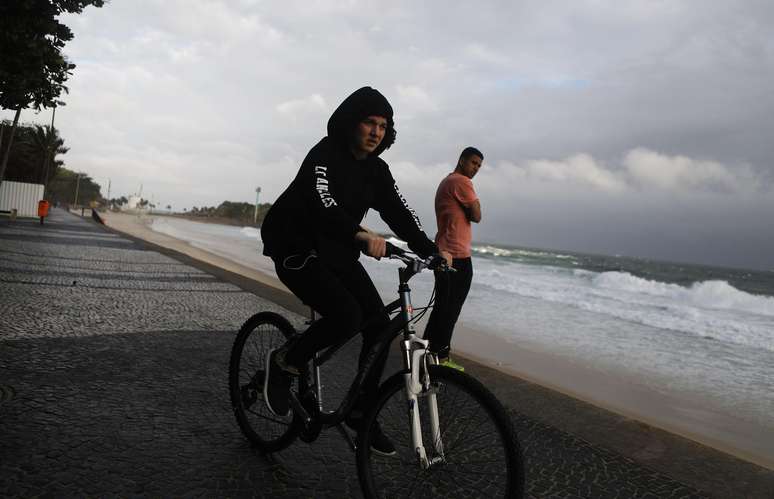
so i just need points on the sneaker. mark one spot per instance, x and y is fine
(276, 385)
(280, 360)
(447, 362)
(380, 443)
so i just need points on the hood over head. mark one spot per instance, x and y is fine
(362, 103)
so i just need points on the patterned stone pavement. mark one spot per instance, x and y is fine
(113, 369)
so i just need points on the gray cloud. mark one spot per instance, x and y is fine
(645, 204)
(640, 128)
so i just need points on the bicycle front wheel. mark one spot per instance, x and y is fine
(261, 333)
(477, 453)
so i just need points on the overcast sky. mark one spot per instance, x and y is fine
(641, 128)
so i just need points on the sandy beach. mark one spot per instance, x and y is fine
(139, 226)
(622, 396)
(682, 416)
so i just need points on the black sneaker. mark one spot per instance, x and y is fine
(276, 386)
(380, 443)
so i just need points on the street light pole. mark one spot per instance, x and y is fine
(49, 151)
(257, 193)
(77, 185)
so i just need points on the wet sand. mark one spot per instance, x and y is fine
(683, 416)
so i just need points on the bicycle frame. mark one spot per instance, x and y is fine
(416, 359)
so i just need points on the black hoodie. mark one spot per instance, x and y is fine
(322, 208)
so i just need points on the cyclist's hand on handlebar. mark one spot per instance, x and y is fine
(373, 245)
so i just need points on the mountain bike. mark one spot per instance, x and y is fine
(453, 437)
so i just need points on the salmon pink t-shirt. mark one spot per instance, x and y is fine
(454, 231)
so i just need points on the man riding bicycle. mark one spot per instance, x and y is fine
(313, 235)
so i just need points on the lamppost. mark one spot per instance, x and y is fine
(50, 147)
(257, 193)
(77, 185)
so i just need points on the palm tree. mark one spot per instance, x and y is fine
(49, 144)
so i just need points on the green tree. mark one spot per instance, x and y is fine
(240, 212)
(49, 145)
(62, 189)
(118, 201)
(22, 164)
(34, 155)
(33, 70)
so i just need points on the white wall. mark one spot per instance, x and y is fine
(20, 196)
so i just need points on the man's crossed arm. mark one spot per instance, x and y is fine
(473, 211)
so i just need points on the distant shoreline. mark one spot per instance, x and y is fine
(243, 223)
(208, 220)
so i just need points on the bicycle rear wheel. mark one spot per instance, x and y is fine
(481, 456)
(260, 334)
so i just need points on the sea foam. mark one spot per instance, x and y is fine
(709, 309)
(706, 294)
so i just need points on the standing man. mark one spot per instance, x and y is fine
(456, 206)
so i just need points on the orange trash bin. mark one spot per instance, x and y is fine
(43, 206)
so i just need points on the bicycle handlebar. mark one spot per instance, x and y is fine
(393, 250)
(434, 262)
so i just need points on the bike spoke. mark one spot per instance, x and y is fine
(475, 460)
(259, 335)
(269, 418)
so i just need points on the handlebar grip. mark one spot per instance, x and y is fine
(394, 250)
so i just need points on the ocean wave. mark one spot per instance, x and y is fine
(714, 294)
(493, 250)
(705, 309)
(497, 251)
(516, 252)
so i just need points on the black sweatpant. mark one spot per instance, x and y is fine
(451, 289)
(345, 298)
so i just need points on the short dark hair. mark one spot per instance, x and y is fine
(470, 151)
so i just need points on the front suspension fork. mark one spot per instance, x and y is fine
(418, 385)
